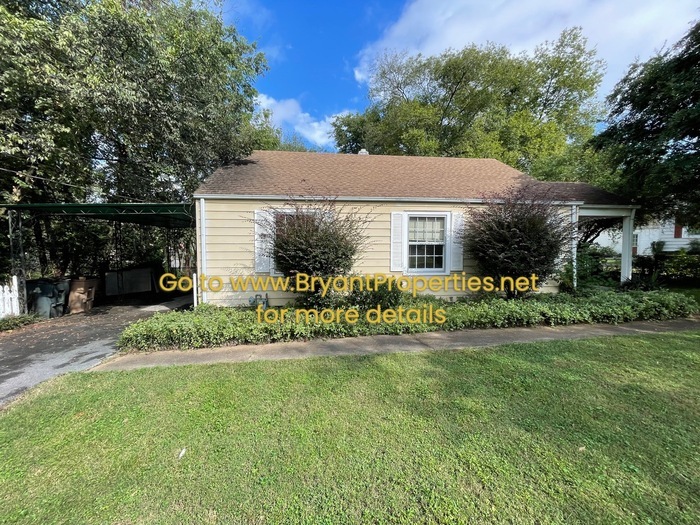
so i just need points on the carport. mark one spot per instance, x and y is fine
(165, 215)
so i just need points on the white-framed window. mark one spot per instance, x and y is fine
(692, 232)
(426, 242)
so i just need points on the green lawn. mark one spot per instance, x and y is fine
(595, 431)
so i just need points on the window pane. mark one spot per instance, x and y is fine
(429, 229)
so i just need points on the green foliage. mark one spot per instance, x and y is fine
(642, 281)
(12, 322)
(119, 101)
(563, 309)
(316, 238)
(517, 234)
(657, 248)
(479, 102)
(384, 296)
(682, 266)
(577, 162)
(267, 136)
(314, 245)
(694, 247)
(653, 133)
(123, 84)
(592, 269)
(209, 325)
(671, 267)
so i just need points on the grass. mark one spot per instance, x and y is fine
(592, 431)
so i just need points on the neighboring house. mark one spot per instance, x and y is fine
(403, 195)
(674, 236)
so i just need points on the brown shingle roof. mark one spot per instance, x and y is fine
(580, 191)
(284, 173)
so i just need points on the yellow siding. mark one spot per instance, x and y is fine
(229, 231)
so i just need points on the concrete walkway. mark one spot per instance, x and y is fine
(383, 344)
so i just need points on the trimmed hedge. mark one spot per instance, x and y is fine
(209, 325)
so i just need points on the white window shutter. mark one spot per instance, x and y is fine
(263, 240)
(457, 254)
(397, 242)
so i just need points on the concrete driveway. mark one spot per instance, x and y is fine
(46, 349)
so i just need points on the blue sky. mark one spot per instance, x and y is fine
(319, 52)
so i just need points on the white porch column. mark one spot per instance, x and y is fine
(627, 229)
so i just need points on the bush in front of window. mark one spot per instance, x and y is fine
(316, 238)
(516, 234)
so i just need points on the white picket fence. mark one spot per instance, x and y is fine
(9, 298)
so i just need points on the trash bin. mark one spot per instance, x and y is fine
(62, 292)
(46, 297)
(82, 295)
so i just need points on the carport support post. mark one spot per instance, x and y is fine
(627, 229)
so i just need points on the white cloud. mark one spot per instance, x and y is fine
(287, 114)
(259, 16)
(621, 30)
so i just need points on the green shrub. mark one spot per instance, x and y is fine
(316, 238)
(642, 281)
(592, 269)
(694, 247)
(16, 321)
(517, 233)
(383, 296)
(209, 325)
(682, 266)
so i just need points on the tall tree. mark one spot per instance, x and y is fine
(653, 131)
(116, 101)
(479, 102)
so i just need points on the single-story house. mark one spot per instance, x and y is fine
(401, 195)
(673, 234)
